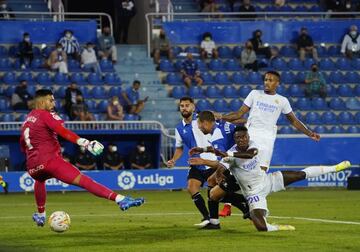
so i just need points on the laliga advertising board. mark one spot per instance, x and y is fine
(157, 179)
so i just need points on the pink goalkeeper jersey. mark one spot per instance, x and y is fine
(38, 138)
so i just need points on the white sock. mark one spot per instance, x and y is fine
(271, 227)
(42, 214)
(228, 204)
(119, 198)
(215, 221)
(315, 171)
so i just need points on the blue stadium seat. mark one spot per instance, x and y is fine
(244, 91)
(178, 65)
(353, 103)
(322, 51)
(31, 89)
(352, 77)
(192, 49)
(85, 91)
(230, 92)
(279, 64)
(313, 118)
(237, 51)
(131, 117)
(78, 78)
(357, 90)
(44, 79)
(13, 51)
(9, 90)
(207, 78)
(10, 78)
(94, 79)
(74, 66)
(329, 118)
(213, 92)
(327, 64)
(112, 79)
(196, 92)
(4, 105)
(295, 64)
(319, 104)
(91, 104)
(321, 129)
(65, 117)
(60, 93)
(356, 64)
(336, 104)
(239, 78)
(26, 76)
(224, 52)
(282, 90)
(308, 62)
(21, 117)
(296, 91)
(61, 79)
(220, 105)
(115, 91)
(282, 120)
(106, 65)
(203, 104)
(300, 77)
(99, 92)
(176, 50)
(178, 92)
(174, 79)
(343, 64)
(201, 65)
(337, 77)
(216, 65)
(337, 129)
(5, 64)
(353, 129)
(232, 65)
(166, 66)
(334, 51)
(303, 104)
(330, 91)
(36, 51)
(357, 117)
(38, 65)
(286, 130)
(255, 78)
(288, 78)
(288, 51)
(3, 51)
(102, 106)
(345, 90)
(235, 104)
(8, 118)
(222, 78)
(346, 118)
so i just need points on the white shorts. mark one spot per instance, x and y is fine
(265, 145)
(274, 182)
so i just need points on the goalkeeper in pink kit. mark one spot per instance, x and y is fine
(40, 143)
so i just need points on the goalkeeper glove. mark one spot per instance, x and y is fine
(94, 147)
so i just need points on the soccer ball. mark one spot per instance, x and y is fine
(59, 221)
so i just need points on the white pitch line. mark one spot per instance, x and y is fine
(190, 213)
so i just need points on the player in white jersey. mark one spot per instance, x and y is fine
(265, 107)
(243, 163)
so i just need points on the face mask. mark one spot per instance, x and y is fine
(79, 101)
(68, 35)
(142, 148)
(27, 39)
(113, 148)
(59, 49)
(89, 49)
(348, 6)
(115, 103)
(353, 33)
(82, 149)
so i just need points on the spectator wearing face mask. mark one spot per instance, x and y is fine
(162, 47)
(26, 51)
(140, 159)
(350, 46)
(248, 57)
(106, 45)
(70, 45)
(208, 47)
(246, 7)
(58, 60)
(5, 11)
(80, 111)
(261, 48)
(89, 60)
(71, 93)
(112, 158)
(305, 45)
(84, 160)
(21, 98)
(315, 83)
(115, 111)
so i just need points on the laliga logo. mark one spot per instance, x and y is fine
(126, 180)
(26, 182)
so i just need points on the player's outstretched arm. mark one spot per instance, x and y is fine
(248, 154)
(233, 116)
(300, 126)
(200, 161)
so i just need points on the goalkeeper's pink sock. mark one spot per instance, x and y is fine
(40, 195)
(96, 188)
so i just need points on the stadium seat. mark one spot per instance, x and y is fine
(337, 130)
(327, 65)
(131, 117)
(230, 92)
(192, 49)
(224, 52)
(207, 78)
(178, 65)
(353, 129)
(61, 79)
(26, 76)
(295, 64)
(336, 104)
(288, 78)
(244, 91)
(286, 130)
(8, 118)
(112, 79)
(300, 77)
(196, 92)
(321, 129)
(345, 90)
(5, 64)
(303, 104)
(346, 118)
(235, 104)
(319, 104)
(85, 91)
(166, 66)
(329, 118)
(99, 92)
(10, 78)
(288, 51)
(337, 77)
(94, 79)
(91, 104)
(106, 65)
(21, 118)
(357, 90)
(279, 64)
(203, 104)
(176, 50)
(357, 117)
(232, 65)
(334, 51)
(174, 79)
(308, 62)
(178, 92)
(4, 105)
(31, 89)
(9, 90)
(102, 106)
(255, 78)
(78, 78)
(44, 79)
(282, 90)
(216, 65)
(237, 51)
(322, 51)
(282, 120)
(213, 92)
(296, 91)
(201, 65)
(3, 51)
(239, 78)
(353, 103)
(115, 91)
(13, 51)
(330, 91)
(38, 65)
(312, 118)
(352, 77)
(74, 66)
(356, 64)
(222, 79)
(220, 105)
(60, 92)
(343, 64)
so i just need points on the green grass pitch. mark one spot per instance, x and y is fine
(165, 223)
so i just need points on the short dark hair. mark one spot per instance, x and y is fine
(206, 115)
(26, 34)
(89, 43)
(43, 92)
(273, 73)
(136, 82)
(187, 98)
(58, 45)
(240, 128)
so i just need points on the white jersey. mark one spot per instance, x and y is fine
(265, 110)
(248, 174)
